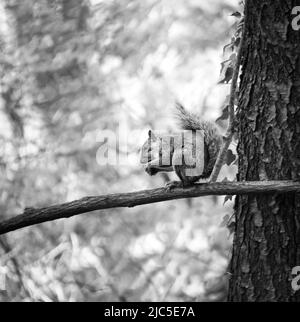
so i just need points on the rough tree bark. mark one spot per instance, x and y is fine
(267, 233)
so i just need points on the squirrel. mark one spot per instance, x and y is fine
(191, 153)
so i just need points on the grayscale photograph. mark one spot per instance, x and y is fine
(150, 154)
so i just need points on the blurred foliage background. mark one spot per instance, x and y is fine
(69, 69)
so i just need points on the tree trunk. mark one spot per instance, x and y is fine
(267, 233)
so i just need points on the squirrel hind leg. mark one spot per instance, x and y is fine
(173, 184)
(186, 180)
(177, 184)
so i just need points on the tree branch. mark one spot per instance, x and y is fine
(32, 216)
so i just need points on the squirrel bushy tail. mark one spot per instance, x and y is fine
(212, 137)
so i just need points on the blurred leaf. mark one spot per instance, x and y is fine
(236, 14)
(224, 115)
(230, 157)
(227, 198)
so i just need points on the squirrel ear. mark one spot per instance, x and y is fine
(151, 135)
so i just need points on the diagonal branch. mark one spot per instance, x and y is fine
(33, 216)
(230, 130)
